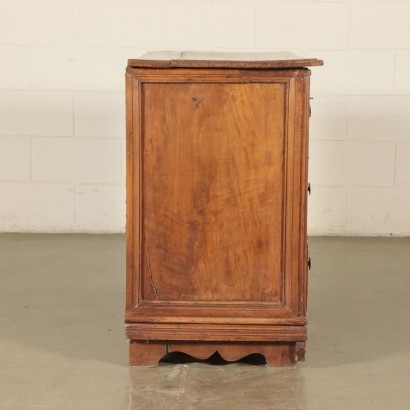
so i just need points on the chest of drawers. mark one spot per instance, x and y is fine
(217, 151)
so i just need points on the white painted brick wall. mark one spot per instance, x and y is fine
(36, 113)
(327, 210)
(15, 68)
(386, 25)
(329, 120)
(38, 206)
(209, 24)
(402, 83)
(119, 23)
(99, 207)
(42, 22)
(76, 160)
(62, 150)
(402, 173)
(77, 68)
(353, 72)
(381, 118)
(99, 115)
(302, 24)
(377, 210)
(15, 158)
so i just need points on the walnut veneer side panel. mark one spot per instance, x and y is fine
(216, 203)
(213, 171)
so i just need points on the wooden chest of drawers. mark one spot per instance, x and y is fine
(217, 149)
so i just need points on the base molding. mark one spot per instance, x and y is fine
(278, 354)
(215, 332)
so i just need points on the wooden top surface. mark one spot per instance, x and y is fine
(203, 59)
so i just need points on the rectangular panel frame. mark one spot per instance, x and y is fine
(294, 272)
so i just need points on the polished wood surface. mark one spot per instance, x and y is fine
(203, 59)
(213, 191)
(216, 211)
(215, 332)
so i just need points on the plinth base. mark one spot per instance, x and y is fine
(278, 354)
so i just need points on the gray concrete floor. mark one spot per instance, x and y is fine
(62, 343)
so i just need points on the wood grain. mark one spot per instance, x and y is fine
(202, 59)
(213, 189)
(216, 208)
(215, 332)
(146, 353)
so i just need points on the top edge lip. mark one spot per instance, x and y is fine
(220, 59)
(139, 63)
